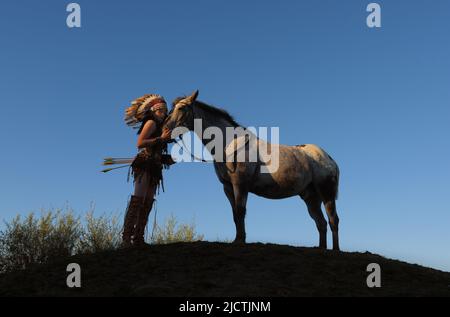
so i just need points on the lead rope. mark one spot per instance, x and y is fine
(190, 153)
(154, 221)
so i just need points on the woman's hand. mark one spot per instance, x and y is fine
(167, 159)
(166, 134)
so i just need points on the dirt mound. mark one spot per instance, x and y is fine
(219, 269)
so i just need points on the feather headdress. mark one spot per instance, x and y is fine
(140, 108)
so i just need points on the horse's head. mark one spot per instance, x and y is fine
(182, 114)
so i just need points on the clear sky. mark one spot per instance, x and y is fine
(376, 99)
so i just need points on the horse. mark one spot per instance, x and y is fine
(303, 170)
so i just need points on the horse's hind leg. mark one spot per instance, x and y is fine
(328, 192)
(333, 219)
(313, 203)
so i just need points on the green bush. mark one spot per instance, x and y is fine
(171, 233)
(36, 240)
(55, 234)
(99, 234)
(59, 233)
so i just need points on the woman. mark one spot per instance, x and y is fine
(148, 112)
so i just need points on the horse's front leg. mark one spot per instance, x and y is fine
(237, 195)
(240, 202)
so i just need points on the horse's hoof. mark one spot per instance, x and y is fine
(238, 242)
(125, 245)
(140, 244)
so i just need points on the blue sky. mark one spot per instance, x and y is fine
(376, 99)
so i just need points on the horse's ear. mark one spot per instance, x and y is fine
(193, 97)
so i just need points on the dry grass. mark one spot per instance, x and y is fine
(59, 233)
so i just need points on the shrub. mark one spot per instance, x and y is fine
(55, 234)
(171, 233)
(99, 234)
(37, 240)
(59, 233)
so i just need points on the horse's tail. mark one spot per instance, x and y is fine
(337, 181)
(330, 188)
(327, 184)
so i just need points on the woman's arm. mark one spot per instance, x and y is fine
(144, 139)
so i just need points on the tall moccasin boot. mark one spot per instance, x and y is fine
(142, 220)
(135, 205)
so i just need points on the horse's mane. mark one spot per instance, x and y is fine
(219, 112)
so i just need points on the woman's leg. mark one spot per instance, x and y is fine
(148, 203)
(135, 207)
(141, 186)
(151, 190)
(139, 238)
